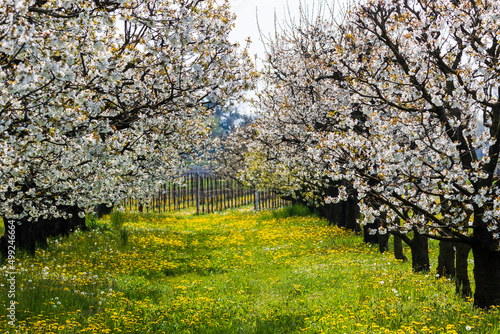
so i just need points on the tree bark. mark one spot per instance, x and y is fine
(367, 237)
(419, 246)
(383, 242)
(102, 209)
(27, 236)
(486, 268)
(487, 276)
(446, 259)
(30, 235)
(343, 214)
(326, 211)
(398, 249)
(383, 238)
(337, 214)
(462, 283)
(352, 214)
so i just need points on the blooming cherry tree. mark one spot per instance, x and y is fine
(103, 99)
(426, 77)
(400, 101)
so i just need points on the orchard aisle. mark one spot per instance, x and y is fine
(238, 271)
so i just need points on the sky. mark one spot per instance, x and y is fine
(252, 14)
(248, 11)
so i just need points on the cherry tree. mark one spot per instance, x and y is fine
(102, 99)
(401, 102)
(425, 75)
(273, 152)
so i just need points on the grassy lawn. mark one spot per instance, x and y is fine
(232, 272)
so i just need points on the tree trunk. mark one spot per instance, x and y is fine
(30, 235)
(462, 282)
(446, 259)
(337, 214)
(326, 211)
(343, 213)
(367, 237)
(419, 246)
(352, 214)
(398, 249)
(383, 238)
(486, 273)
(383, 242)
(102, 209)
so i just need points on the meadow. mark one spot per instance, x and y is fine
(237, 271)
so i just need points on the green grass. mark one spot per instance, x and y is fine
(230, 272)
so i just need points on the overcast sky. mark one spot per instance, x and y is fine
(247, 12)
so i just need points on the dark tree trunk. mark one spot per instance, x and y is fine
(383, 242)
(446, 259)
(462, 282)
(337, 214)
(352, 214)
(343, 214)
(486, 268)
(367, 237)
(419, 246)
(333, 213)
(63, 226)
(398, 249)
(383, 238)
(326, 211)
(29, 235)
(398, 243)
(487, 276)
(102, 209)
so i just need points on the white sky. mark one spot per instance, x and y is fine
(246, 21)
(249, 11)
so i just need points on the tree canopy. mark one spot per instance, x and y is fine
(398, 103)
(105, 98)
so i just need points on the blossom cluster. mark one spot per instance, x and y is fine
(105, 99)
(396, 103)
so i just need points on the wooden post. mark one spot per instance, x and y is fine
(202, 196)
(168, 196)
(256, 200)
(164, 198)
(191, 182)
(197, 193)
(232, 204)
(211, 194)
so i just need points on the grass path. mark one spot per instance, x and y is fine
(232, 272)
